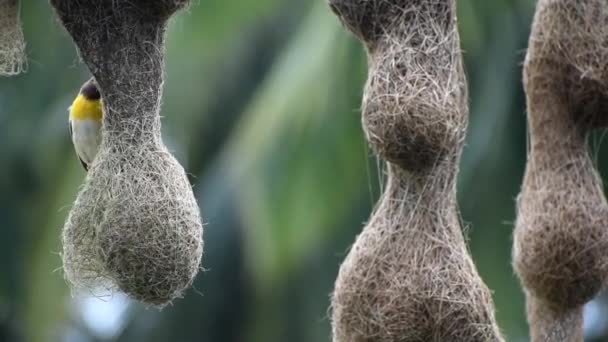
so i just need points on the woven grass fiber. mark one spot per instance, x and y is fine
(561, 234)
(12, 44)
(135, 225)
(409, 276)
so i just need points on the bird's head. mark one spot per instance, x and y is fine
(90, 90)
(87, 104)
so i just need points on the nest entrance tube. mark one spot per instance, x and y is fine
(561, 234)
(12, 44)
(409, 276)
(135, 226)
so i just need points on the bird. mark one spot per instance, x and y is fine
(85, 122)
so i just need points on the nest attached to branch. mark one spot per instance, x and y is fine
(561, 239)
(12, 44)
(409, 276)
(135, 225)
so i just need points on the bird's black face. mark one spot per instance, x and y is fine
(89, 90)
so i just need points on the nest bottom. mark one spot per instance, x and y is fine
(135, 226)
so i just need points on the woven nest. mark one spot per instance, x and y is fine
(569, 43)
(135, 225)
(415, 91)
(561, 240)
(409, 276)
(12, 45)
(561, 237)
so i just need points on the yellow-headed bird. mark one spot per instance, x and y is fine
(86, 116)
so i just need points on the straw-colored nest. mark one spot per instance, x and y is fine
(415, 90)
(560, 239)
(135, 225)
(569, 48)
(551, 323)
(561, 236)
(12, 44)
(409, 276)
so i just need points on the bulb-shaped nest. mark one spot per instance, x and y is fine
(135, 225)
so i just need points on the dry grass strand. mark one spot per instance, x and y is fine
(12, 44)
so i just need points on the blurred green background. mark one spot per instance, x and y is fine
(261, 106)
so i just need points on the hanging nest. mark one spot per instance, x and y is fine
(12, 44)
(135, 225)
(409, 276)
(553, 323)
(561, 239)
